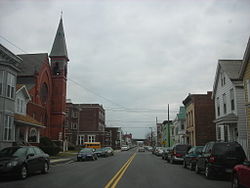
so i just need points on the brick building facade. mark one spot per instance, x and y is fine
(199, 118)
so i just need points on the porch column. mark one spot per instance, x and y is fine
(26, 133)
(38, 136)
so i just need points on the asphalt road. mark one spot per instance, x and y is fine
(143, 170)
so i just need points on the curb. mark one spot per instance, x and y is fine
(60, 161)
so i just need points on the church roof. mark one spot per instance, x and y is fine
(59, 46)
(31, 63)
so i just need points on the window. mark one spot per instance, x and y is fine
(225, 133)
(11, 85)
(81, 139)
(1, 82)
(232, 99)
(222, 79)
(8, 128)
(20, 106)
(224, 103)
(182, 125)
(218, 106)
(91, 138)
(248, 90)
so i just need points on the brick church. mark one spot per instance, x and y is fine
(45, 77)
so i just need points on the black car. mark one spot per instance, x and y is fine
(100, 152)
(87, 154)
(219, 158)
(20, 161)
(177, 153)
(189, 160)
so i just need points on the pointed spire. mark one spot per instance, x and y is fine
(59, 47)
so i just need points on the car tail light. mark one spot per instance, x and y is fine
(211, 159)
(178, 155)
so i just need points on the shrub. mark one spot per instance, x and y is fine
(48, 146)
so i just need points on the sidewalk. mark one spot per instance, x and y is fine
(63, 157)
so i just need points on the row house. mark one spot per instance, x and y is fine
(167, 134)
(245, 76)
(200, 127)
(159, 127)
(179, 125)
(127, 139)
(228, 96)
(9, 64)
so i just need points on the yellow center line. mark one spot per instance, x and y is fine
(114, 181)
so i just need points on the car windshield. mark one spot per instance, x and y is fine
(181, 147)
(198, 149)
(13, 152)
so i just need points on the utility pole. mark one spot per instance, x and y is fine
(168, 128)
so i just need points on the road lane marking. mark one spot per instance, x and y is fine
(113, 182)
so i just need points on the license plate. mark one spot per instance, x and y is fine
(229, 170)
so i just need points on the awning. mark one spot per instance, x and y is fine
(230, 118)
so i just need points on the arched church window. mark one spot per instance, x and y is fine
(44, 92)
(32, 135)
(65, 71)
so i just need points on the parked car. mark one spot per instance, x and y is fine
(100, 152)
(109, 151)
(241, 175)
(87, 154)
(177, 153)
(141, 149)
(189, 160)
(158, 151)
(148, 148)
(219, 158)
(165, 153)
(20, 161)
(124, 148)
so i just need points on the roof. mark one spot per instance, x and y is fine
(231, 68)
(18, 86)
(182, 113)
(31, 63)
(11, 56)
(59, 46)
(28, 120)
(23, 88)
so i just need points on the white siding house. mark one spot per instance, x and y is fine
(228, 94)
(27, 128)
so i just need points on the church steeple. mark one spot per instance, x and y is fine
(59, 48)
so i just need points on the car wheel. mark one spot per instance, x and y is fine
(191, 166)
(235, 182)
(184, 164)
(208, 172)
(197, 170)
(45, 169)
(23, 173)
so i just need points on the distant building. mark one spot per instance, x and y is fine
(180, 126)
(199, 118)
(113, 137)
(85, 123)
(159, 134)
(167, 134)
(127, 139)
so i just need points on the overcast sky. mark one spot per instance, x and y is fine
(132, 56)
